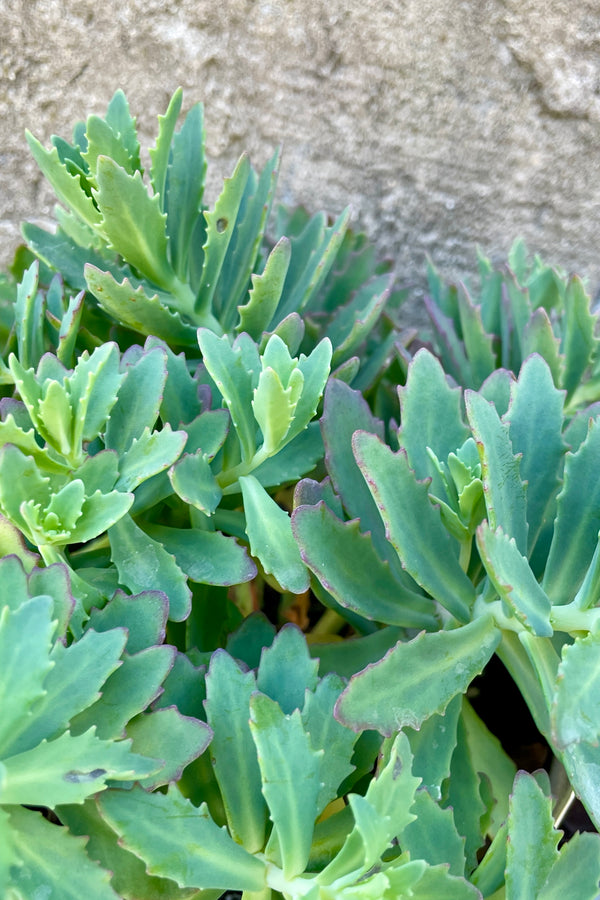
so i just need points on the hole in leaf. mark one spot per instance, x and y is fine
(221, 225)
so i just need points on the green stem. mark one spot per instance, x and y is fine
(329, 623)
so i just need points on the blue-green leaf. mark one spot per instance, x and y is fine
(269, 531)
(285, 752)
(399, 690)
(144, 564)
(422, 543)
(156, 826)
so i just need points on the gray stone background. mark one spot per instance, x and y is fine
(444, 124)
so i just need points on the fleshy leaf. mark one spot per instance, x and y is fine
(352, 571)
(422, 543)
(269, 531)
(156, 826)
(502, 485)
(577, 521)
(45, 853)
(532, 840)
(286, 670)
(228, 692)
(133, 223)
(207, 557)
(284, 750)
(575, 714)
(512, 577)
(144, 564)
(399, 690)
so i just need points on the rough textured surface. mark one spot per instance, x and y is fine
(445, 125)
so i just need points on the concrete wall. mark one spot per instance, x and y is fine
(444, 124)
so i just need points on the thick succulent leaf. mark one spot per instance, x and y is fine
(269, 531)
(448, 345)
(127, 692)
(294, 460)
(144, 564)
(581, 761)
(129, 876)
(313, 254)
(422, 543)
(184, 188)
(45, 852)
(143, 615)
(207, 432)
(264, 296)
(347, 565)
(286, 670)
(207, 557)
(139, 399)
(504, 491)
(381, 815)
(69, 769)
(433, 835)
(148, 455)
(512, 577)
(246, 643)
(181, 400)
(539, 338)
(220, 224)
(464, 798)
(315, 369)
(577, 521)
(245, 243)
(25, 641)
(532, 840)
(99, 513)
(346, 411)
(133, 222)
(66, 186)
(103, 141)
(432, 747)
(194, 481)
(93, 387)
(399, 689)
(143, 311)
(575, 714)
(174, 739)
(430, 414)
(228, 367)
(233, 753)
(576, 872)
(578, 341)
(535, 420)
(274, 406)
(437, 882)
(353, 322)
(478, 344)
(328, 735)
(78, 673)
(284, 750)
(156, 826)
(123, 124)
(160, 153)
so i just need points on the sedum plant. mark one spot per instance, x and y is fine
(492, 519)
(156, 260)
(164, 477)
(523, 307)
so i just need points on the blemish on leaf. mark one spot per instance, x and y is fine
(82, 777)
(221, 225)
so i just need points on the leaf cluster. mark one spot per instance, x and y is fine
(255, 551)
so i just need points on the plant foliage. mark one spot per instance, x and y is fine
(244, 596)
